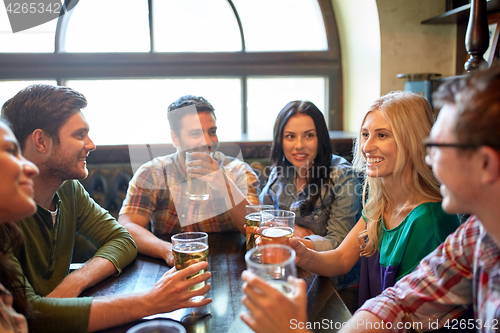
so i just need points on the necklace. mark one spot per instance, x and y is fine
(405, 205)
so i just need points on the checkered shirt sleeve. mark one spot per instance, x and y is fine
(143, 191)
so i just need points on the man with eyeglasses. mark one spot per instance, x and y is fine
(158, 190)
(464, 271)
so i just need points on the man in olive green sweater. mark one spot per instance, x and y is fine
(54, 135)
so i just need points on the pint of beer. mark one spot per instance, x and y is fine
(278, 229)
(198, 189)
(252, 221)
(190, 248)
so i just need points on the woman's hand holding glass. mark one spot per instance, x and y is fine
(302, 232)
(302, 253)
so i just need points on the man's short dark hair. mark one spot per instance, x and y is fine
(477, 100)
(42, 106)
(174, 118)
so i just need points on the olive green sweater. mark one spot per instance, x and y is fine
(46, 253)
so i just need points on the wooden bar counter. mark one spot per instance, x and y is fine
(226, 262)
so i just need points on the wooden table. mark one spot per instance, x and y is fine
(226, 259)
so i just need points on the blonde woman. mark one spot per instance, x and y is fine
(402, 219)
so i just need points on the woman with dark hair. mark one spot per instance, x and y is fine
(16, 202)
(308, 179)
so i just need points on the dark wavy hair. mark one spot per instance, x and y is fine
(175, 118)
(42, 106)
(320, 171)
(10, 240)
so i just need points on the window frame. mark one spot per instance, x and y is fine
(63, 66)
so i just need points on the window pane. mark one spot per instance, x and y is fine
(108, 26)
(36, 39)
(267, 96)
(135, 111)
(9, 88)
(195, 26)
(282, 25)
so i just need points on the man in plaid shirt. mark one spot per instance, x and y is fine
(158, 190)
(464, 271)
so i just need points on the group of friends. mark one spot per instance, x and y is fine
(385, 229)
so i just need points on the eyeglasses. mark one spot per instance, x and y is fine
(428, 145)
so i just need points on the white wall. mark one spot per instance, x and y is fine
(359, 33)
(382, 38)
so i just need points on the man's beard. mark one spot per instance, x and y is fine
(60, 170)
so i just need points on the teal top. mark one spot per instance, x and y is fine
(400, 249)
(46, 253)
(423, 229)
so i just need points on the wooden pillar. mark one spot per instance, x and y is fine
(477, 36)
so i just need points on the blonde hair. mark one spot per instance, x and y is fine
(410, 117)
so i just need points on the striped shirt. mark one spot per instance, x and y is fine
(462, 272)
(158, 191)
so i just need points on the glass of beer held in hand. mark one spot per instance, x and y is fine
(190, 248)
(252, 221)
(198, 189)
(274, 263)
(276, 226)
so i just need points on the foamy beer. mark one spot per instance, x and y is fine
(276, 226)
(252, 222)
(190, 248)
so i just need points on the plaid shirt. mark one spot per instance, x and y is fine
(158, 191)
(464, 271)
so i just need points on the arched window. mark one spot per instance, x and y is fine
(132, 58)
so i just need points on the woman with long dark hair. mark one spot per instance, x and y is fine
(306, 178)
(16, 202)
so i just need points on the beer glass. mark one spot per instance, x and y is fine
(197, 188)
(276, 226)
(190, 248)
(274, 263)
(252, 221)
